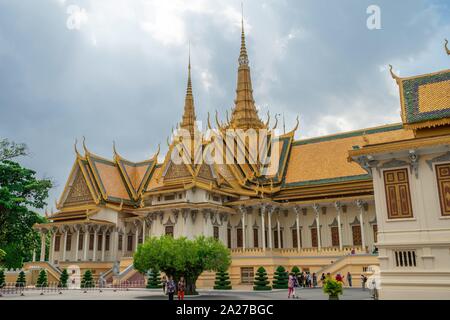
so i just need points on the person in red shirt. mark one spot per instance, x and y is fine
(339, 278)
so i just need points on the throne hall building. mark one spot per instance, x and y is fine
(347, 202)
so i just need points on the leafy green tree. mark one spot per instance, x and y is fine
(222, 280)
(295, 270)
(154, 280)
(42, 280)
(10, 150)
(21, 279)
(63, 278)
(2, 255)
(20, 191)
(261, 280)
(88, 280)
(280, 279)
(2, 278)
(182, 257)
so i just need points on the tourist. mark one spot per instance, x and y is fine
(164, 282)
(363, 282)
(314, 279)
(296, 285)
(290, 285)
(181, 287)
(170, 288)
(349, 279)
(322, 279)
(339, 278)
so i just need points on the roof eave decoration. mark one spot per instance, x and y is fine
(424, 99)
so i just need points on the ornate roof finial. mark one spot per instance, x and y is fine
(393, 75)
(86, 151)
(114, 148)
(75, 147)
(188, 121)
(276, 121)
(446, 47)
(244, 115)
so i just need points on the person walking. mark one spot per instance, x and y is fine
(349, 279)
(290, 285)
(322, 279)
(314, 280)
(181, 287)
(164, 283)
(363, 282)
(170, 287)
(296, 285)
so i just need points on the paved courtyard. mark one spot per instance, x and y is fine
(146, 294)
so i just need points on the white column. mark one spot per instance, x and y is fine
(114, 244)
(269, 232)
(297, 223)
(143, 231)
(77, 242)
(278, 232)
(34, 255)
(85, 243)
(51, 254)
(263, 228)
(360, 205)
(136, 238)
(316, 209)
(337, 204)
(103, 244)
(64, 245)
(94, 255)
(42, 258)
(244, 238)
(124, 242)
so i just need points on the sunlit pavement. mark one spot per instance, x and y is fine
(152, 294)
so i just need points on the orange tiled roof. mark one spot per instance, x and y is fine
(325, 158)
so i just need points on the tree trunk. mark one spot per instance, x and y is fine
(190, 286)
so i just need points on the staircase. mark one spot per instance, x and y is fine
(349, 263)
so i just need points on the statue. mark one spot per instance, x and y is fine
(116, 269)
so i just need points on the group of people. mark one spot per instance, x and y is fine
(170, 287)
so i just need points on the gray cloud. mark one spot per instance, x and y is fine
(122, 76)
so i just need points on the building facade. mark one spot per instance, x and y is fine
(321, 209)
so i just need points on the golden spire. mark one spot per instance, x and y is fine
(446, 47)
(245, 115)
(188, 121)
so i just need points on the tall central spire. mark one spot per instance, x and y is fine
(245, 115)
(188, 121)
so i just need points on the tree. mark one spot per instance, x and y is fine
(42, 280)
(88, 280)
(2, 255)
(20, 191)
(10, 150)
(295, 271)
(222, 280)
(21, 280)
(63, 279)
(2, 278)
(280, 279)
(154, 280)
(333, 288)
(261, 280)
(182, 257)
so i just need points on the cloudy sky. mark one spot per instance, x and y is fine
(116, 70)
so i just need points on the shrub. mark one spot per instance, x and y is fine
(280, 279)
(222, 281)
(332, 287)
(88, 280)
(2, 278)
(21, 280)
(63, 279)
(154, 280)
(261, 280)
(42, 280)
